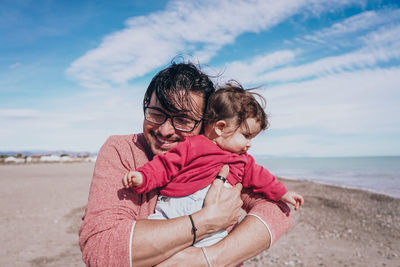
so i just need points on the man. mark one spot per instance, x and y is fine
(115, 230)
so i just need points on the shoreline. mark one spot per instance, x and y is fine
(366, 190)
(42, 205)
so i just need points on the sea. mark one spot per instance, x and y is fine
(375, 174)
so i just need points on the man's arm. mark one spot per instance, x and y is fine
(241, 247)
(267, 220)
(231, 251)
(111, 211)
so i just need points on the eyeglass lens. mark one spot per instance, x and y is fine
(180, 123)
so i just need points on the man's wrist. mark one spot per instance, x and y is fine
(212, 254)
(194, 229)
(204, 223)
(208, 259)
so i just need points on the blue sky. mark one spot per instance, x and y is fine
(74, 72)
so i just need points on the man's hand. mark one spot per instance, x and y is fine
(222, 205)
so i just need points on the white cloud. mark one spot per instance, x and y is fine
(386, 37)
(364, 21)
(324, 146)
(76, 122)
(18, 114)
(350, 94)
(381, 46)
(346, 107)
(294, 145)
(249, 71)
(343, 99)
(348, 62)
(377, 46)
(188, 27)
(345, 114)
(361, 102)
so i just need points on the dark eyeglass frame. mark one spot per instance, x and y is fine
(167, 116)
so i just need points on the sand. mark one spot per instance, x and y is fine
(42, 205)
(338, 227)
(41, 209)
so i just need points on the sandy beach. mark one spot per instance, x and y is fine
(42, 206)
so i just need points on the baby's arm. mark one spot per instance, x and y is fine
(132, 179)
(293, 198)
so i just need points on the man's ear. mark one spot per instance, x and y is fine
(219, 127)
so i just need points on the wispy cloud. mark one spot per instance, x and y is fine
(348, 103)
(295, 145)
(332, 90)
(325, 145)
(18, 114)
(75, 122)
(249, 71)
(384, 37)
(148, 42)
(15, 65)
(356, 24)
(379, 46)
(344, 114)
(327, 105)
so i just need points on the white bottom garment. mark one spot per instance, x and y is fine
(173, 207)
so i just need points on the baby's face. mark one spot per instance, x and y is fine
(239, 140)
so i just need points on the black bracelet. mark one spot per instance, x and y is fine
(194, 229)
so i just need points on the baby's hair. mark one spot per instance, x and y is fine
(232, 101)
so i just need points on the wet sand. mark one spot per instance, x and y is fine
(42, 205)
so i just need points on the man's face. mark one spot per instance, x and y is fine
(162, 138)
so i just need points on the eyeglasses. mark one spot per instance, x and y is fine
(179, 122)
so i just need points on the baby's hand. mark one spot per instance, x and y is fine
(293, 198)
(132, 179)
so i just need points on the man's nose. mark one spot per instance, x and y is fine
(166, 128)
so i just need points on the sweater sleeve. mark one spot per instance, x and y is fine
(276, 216)
(158, 172)
(260, 180)
(111, 212)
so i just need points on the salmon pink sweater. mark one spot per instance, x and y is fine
(105, 235)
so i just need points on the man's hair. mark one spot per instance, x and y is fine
(232, 101)
(173, 84)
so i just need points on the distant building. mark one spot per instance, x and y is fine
(47, 158)
(12, 159)
(51, 158)
(33, 159)
(67, 158)
(91, 159)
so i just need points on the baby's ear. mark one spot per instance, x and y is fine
(219, 127)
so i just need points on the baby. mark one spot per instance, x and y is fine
(184, 174)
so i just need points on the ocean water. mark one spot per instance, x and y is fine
(376, 174)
